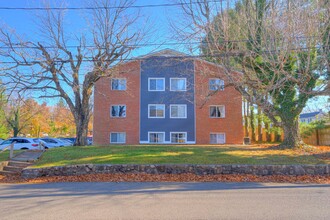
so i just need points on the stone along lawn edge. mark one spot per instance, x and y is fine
(262, 170)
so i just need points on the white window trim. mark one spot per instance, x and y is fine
(185, 82)
(117, 116)
(220, 80)
(119, 89)
(216, 133)
(217, 106)
(158, 132)
(156, 79)
(178, 132)
(117, 142)
(178, 105)
(155, 105)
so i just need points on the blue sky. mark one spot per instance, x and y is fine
(24, 23)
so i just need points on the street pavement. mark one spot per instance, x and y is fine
(164, 201)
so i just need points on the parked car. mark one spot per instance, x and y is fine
(21, 143)
(54, 142)
(88, 139)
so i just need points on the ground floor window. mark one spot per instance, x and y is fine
(217, 138)
(118, 137)
(178, 138)
(156, 137)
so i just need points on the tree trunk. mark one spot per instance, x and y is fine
(259, 125)
(247, 119)
(253, 133)
(81, 130)
(15, 131)
(292, 137)
(268, 133)
(81, 120)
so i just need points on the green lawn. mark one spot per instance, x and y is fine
(4, 156)
(178, 155)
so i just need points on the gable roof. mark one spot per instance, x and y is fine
(309, 114)
(163, 53)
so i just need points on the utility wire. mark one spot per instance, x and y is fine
(228, 54)
(19, 46)
(110, 7)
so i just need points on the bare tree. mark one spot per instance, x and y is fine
(53, 68)
(280, 47)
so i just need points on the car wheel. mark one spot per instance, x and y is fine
(46, 148)
(24, 148)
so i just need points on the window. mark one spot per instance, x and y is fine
(118, 84)
(216, 84)
(156, 111)
(178, 138)
(118, 111)
(156, 137)
(156, 84)
(178, 111)
(118, 137)
(217, 138)
(217, 111)
(178, 84)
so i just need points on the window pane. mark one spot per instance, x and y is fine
(118, 137)
(118, 111)
(178, 84)
(178, 111)
(213, 111)
(159, 84)
(114, 84)
(178, 138)
(216, 84)
(174, 111)
(152, 111)
(152, 84)
(156, 111)
(156, 137)
(213, 138)
(114, 110)
(156, 85)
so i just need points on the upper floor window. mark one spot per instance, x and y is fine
(118, 84)
(217, 111)
(156, 84)
(156, 111)
(178, 111)
(216, 84)
(178, 84)
(118, 111)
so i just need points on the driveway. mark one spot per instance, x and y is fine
(164, 201)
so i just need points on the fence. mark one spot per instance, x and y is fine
(319, 137)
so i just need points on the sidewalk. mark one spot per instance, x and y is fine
(28, 156)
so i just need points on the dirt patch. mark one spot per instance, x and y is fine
(169, 178)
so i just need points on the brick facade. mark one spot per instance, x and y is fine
(104, 97)
(231, 125)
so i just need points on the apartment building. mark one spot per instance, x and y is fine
(167, 98)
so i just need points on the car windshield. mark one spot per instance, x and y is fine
(7, 142)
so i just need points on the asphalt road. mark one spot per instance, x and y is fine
(164, 201)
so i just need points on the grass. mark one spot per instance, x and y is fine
(183, 154)
(5, 155)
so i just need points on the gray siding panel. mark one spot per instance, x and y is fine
(164, 67)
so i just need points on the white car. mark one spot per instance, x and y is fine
(54, 142)
(21, 143)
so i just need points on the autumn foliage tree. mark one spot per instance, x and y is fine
(280, 47)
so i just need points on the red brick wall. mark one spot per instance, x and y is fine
(104, 97)
(232, 124)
